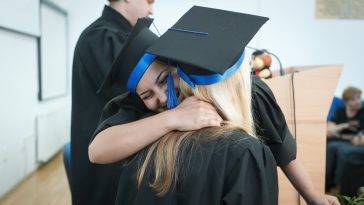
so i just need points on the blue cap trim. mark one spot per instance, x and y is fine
(139, 71)
(193, 80)
(189, 31)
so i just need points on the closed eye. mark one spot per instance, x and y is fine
(163, 81)
(147, 96)
(163, 78)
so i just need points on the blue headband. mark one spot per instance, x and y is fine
(193, 80)
(139, 71)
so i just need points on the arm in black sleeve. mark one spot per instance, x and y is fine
(271, 125)
(122, 109)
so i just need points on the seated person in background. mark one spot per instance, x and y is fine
(348, 121)
(345, 135)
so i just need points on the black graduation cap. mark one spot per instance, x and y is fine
(207, 44)
(132, 61)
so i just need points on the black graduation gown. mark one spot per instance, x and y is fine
(234, 169)
(95, 51)
(270, 123)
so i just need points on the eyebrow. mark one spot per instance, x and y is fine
(156, 81)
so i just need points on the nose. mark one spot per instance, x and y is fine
(162, 96)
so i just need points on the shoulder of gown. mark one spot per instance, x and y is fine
(250, 172)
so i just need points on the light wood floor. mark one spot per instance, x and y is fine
(47, 186)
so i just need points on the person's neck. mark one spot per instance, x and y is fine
(119, 7)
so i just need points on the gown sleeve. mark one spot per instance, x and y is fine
(98, 51)
(253, 179)
(122, 109)
(271, 125)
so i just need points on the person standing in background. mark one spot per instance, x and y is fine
(95, 51)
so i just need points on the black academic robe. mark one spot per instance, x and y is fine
(95, 51)
(233, 169)
(270, 123)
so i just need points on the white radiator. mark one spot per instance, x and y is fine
(52, 133)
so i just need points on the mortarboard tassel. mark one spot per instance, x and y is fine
(172, 99)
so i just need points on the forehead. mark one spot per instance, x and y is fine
(354, 97)
(155, 68)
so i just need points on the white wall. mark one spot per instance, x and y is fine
(298, 38)
(20, 108)
(81, 13)
(21, 15)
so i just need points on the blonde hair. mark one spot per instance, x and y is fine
(231, 98)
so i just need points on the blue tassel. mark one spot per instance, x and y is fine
(172, 99)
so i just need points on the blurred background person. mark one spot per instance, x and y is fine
(344, 136)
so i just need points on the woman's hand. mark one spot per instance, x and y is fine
(325, 200)
(332, 200)
(194, 114)
(334, 130)
(343, 126)
(300, 179)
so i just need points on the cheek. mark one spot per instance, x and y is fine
(150, 104)
(142, 9)
(352, 104)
